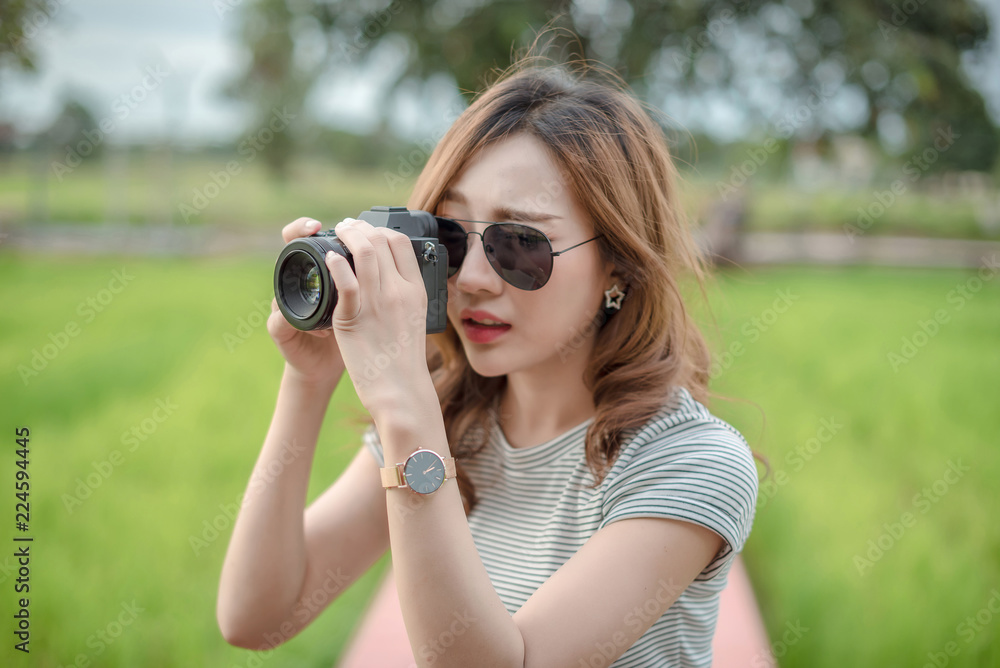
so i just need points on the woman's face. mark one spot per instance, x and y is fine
(516, 180)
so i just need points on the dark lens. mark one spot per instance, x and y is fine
(301, 287)
(310, 286)
(521, 255)
(453, 237)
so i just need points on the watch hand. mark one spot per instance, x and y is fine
(431, 468)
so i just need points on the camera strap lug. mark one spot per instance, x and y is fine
(430, 252)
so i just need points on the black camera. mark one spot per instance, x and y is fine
(305, 291)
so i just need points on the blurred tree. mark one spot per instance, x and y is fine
(74, 135)
(367, 151)
(272, 82)
(795, 68)
(19, 21)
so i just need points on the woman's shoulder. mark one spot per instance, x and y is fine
(686, 463)
(683, 418)
(682, 434)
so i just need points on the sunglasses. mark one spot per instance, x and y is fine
(521, 255)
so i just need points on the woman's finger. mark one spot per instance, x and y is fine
(279, 328)
(348, 299)
(320, 333)
(303, 227)
(402, 253)
(384, 261)
(366, 263)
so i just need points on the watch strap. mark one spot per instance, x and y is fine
(392, 476)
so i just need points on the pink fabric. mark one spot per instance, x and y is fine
(380, 640)
(740, 636)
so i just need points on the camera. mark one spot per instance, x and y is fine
(305, 291)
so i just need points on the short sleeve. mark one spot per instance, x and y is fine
(702, 473)
(371, 441)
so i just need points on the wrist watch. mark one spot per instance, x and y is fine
(424, 472)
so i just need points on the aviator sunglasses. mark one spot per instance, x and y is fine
(521, 255)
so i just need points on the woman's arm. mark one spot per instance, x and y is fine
(444, 589)
(453, 615)
(285, 564)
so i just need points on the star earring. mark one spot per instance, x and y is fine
(613, 299)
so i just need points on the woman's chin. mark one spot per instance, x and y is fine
(487, 369)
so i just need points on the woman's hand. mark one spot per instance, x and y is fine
(380, 320)
(313, 357)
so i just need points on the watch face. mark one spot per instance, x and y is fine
(424, 471)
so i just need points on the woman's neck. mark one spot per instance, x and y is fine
(529, 418)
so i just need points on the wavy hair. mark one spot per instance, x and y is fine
(615, 160)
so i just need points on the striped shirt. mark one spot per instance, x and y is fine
(534, 511)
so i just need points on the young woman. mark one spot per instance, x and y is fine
(594, 505)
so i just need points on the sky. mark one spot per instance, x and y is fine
(155, 69)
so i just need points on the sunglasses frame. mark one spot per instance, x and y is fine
(482, 240)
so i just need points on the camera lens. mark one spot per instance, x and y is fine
(310, 285)
(301, 286)
(304, 290)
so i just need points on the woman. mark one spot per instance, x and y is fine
(598, 504)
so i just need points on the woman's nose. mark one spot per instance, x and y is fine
(476, 272)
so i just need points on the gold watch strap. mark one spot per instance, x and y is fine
(392, 476)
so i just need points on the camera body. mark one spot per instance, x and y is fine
(305, 291)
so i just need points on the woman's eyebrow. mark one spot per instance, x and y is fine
(450, 195)
(502, 213)
(510, 213)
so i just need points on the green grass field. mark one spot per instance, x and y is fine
(854, 444)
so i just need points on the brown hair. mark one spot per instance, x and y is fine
(615, 159)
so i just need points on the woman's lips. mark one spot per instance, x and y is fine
(478, 333)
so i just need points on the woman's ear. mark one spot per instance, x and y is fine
(617, 279)
(609, 273)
